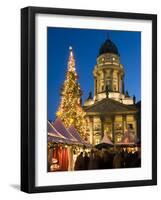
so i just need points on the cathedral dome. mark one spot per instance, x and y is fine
(108, 47)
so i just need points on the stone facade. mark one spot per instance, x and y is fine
(111, 111)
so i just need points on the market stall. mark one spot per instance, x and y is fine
(62, 144)
(129, 142)
(104, 143)
(82, 147)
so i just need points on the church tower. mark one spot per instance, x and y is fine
(111, 111)
(109, 76)
(108, 72)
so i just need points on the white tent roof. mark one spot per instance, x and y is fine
(53, 132)
(128, 138)
(54, 135)
(59, 126)
(75, 134)
(106, 140)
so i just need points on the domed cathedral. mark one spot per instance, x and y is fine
(111, 111)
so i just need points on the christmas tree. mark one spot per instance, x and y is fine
(70, 109)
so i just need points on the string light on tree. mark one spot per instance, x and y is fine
(70, 109)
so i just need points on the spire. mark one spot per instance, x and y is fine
(108, 35)
(134, 99)
(71, 60)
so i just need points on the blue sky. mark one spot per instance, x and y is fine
(86, 44)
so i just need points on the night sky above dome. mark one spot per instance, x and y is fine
(87, 44)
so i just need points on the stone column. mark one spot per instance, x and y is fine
(118, 81)
(120, 84)
(123, 123)
(104, 79)
(135, 121)
(138, 124)
(91, 130)
(102, 126)
(98, 83)
(113, 129)
(95, 86)
(111, 80)
(123, 90)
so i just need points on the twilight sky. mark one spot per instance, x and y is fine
(86, 44)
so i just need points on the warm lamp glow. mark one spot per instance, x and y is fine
(70, 110)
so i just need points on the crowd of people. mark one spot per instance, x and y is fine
(107, 159)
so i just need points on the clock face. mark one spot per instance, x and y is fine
(113, 58)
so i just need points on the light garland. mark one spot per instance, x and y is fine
(70, 110)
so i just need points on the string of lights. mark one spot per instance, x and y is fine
(70, 110)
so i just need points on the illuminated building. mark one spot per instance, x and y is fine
(111, 111)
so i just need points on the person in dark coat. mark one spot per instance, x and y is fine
(86, 161)
(136, 161)
(105, 160)
(79, 163)
(93, 161)
(110, 160)
(117, 160)
(98, 160)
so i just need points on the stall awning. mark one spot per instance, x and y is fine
(59, 126)
(106, 140)
(104, 143)
(75, 134)
(129, 138)
(54, 135)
